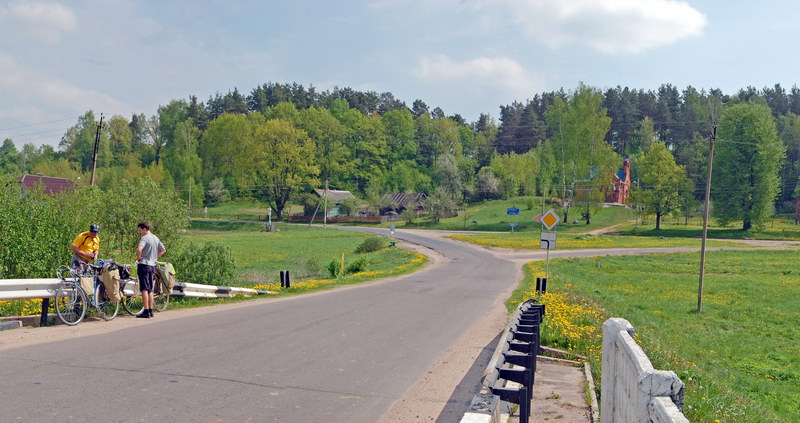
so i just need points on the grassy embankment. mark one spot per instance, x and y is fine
(739, 358)
(306, 253)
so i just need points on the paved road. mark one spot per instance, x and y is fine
(339, 356)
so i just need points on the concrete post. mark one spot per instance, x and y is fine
(611, 328)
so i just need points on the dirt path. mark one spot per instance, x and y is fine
(607, 229)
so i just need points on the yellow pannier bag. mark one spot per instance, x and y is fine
(87, 284)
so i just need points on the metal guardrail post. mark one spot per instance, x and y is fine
(517, 396)
(45, 306)
(519, 346)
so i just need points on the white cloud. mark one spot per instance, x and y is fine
(484, 72)
(26, 85)
(46, 21)
(609, 26)
(30, 96)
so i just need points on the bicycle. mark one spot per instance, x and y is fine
(71, 299)
(132, 302)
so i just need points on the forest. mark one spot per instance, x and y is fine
(282, 140)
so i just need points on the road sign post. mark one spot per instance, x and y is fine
(548, 239)
(548, 242)
(512, 211)
(550, 219)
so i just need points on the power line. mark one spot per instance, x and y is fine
(38, 124)
(37, 133)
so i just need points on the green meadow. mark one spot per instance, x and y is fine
(491, 215)
(779, 228)
(739, 358)
(568, 241)
(305, 252)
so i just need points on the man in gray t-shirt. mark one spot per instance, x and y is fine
(149, 250)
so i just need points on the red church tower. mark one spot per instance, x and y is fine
(622, 184)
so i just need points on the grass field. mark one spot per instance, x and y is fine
(244, 209)
(567, 241)
(739, 358)
(490, 215)
(305, 252)
(776, 228)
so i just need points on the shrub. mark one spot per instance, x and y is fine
(369, 245)
(335, 268)
(310, 203)
(348, 207)
(217, 193)
(208, 262)
(357, 265)
(409, 216)
(50, 223)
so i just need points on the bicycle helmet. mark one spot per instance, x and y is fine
(94, 228)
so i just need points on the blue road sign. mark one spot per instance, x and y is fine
(512, 210)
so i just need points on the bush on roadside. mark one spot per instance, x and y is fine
(370, 245)
(409, 216)
(357, 265)
(335, 268)
(208, 263)
(45, 225)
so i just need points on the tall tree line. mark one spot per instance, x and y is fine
(282, 139)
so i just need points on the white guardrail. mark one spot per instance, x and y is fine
(25, 289)
(632, 391)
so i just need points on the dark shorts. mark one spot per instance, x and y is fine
(145, 273)
(76, 260)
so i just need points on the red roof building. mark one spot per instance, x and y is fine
(51, 185)
(621, 181)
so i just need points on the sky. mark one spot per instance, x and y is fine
(59, 59)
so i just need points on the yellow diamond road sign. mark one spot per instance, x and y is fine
(550, 220)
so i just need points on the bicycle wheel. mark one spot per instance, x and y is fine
(106, 308)
(161, 301)
(132, 303)
(70, 304)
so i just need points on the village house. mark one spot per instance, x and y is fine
(335, 198)
(50, 185)
(404, 201)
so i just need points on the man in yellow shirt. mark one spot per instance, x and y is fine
(86, 246)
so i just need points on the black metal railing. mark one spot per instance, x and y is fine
(520, 348)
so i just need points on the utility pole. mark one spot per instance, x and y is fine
(96, 145)
(705, 217)
(325, 199)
